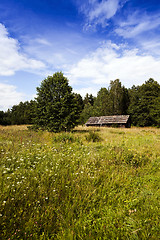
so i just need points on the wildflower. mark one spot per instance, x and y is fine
(132, 211)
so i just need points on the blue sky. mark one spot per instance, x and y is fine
(91, 41)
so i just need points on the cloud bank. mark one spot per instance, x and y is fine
(111, 61)
(11, 58)
(9, 96)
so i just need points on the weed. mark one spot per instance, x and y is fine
(65, 186)
(93, 137)
(65, 138)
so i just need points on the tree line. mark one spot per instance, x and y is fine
(57, 108)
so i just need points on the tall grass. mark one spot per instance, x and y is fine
(68, 186)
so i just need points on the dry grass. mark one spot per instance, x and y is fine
(14, 127)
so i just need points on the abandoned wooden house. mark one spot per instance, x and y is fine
(123, 121)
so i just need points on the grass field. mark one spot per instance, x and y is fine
(89, 184)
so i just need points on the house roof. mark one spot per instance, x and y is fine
(103, 120)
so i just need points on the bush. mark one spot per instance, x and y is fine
(65, 138)
(93, 137)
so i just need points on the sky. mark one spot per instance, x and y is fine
(91, 41)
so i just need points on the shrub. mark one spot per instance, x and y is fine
(93, 137)
(65, 138)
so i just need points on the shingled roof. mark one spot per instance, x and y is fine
(108, 120)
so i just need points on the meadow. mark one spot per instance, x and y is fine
(92, 183)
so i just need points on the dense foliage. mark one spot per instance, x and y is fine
(80, 185)
(145, 104)
(58, 109)
(23, 113)
(141, 102)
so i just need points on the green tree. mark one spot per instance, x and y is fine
(79, 101)
(87, 112)
(56, 108)
(102, 103)
(89, 99)
(79, 106)
(2, 122)
(22, 113)
(145, 104)
(116, 97)
(125, 100)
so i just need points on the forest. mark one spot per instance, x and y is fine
(142, 103)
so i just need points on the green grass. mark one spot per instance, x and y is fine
(88, 184)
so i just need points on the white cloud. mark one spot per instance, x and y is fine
(43, 41)
(9, 96)
(110, 62)
(99, 12)
(151, 46)
(89, 90)
(11, 57)
(136, 24)
(104, 10)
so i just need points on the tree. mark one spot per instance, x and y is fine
(101, 104)
(89, 99)
(2, 114)
(116, 97)
(87, 112)
(22, 113)
(144, 104)
(125, 100)
(79, 106)
(56, 108)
